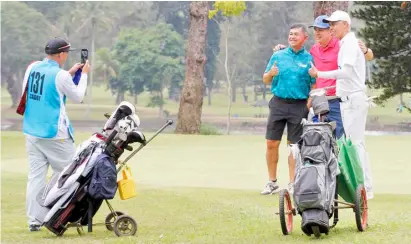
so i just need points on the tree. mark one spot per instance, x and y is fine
(149, 58)
(108, 67)
(174, 13)
(228, 9)
(191, 100)
(388, 32)
(24, 33)
(60, 16)
(252, 51)
(327, 7)
(93, 16)
(212, 50)
(177, 13)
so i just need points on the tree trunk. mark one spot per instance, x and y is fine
(67, 64)
(234, 93)
(255, 93)
(90, 96)
(161, 106)
(14, 87)
(120, 97)
(209, 96)
(228, 79)
(105, 76)
(135, 99)
(191, 100)
(327, 7)
(244, 92)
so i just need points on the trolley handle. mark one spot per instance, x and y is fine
(320, 91)
(123, 163)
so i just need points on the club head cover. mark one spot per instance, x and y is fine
(136, 136)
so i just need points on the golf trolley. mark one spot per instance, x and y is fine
(73, 196)
(117, 221)
(358, 200)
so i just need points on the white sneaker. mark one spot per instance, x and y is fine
(270, 188)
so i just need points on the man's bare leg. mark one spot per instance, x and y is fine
(272, 155)
(291, 164)
(272, 158)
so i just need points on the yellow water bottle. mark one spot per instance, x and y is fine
(126, 186)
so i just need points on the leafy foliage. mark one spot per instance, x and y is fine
(23, 36)
(388, 32)
(24, 33)
(227, 8)
(207, 129)
(149, 58)
(212, 49)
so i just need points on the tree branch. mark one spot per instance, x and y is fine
(218, 58)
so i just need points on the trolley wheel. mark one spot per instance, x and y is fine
(361, 208)
(80, 230)
(316, 231)
(111, 217)
(286, 212)
(125, 226)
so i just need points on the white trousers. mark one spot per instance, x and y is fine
(42, 153)
(354, 113)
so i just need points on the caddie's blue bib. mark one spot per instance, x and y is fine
(42, 114)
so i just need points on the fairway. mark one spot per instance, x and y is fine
(205, 189)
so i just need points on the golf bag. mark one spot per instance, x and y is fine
(315, 176)
(75, 194)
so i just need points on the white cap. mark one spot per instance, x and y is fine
(338, 16)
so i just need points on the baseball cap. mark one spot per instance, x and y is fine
(57, 45)
(338, 16)
(318, 22)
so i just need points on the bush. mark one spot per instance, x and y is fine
(207, 129)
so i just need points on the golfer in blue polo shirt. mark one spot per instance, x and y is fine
(287, 72)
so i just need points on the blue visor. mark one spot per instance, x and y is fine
(318, 22)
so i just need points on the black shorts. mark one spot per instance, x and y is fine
(288, 112)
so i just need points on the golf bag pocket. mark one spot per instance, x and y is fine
(314, 217)
(316, 146)
(103, 183)
(309, 187)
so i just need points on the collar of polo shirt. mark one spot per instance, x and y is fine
(290, 50)
(333, 41)
(348, 35)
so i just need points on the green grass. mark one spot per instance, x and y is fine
(104, 102)
(205, 189)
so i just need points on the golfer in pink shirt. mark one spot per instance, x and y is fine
(325, 56)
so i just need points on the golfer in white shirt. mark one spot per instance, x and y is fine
(350, 88)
